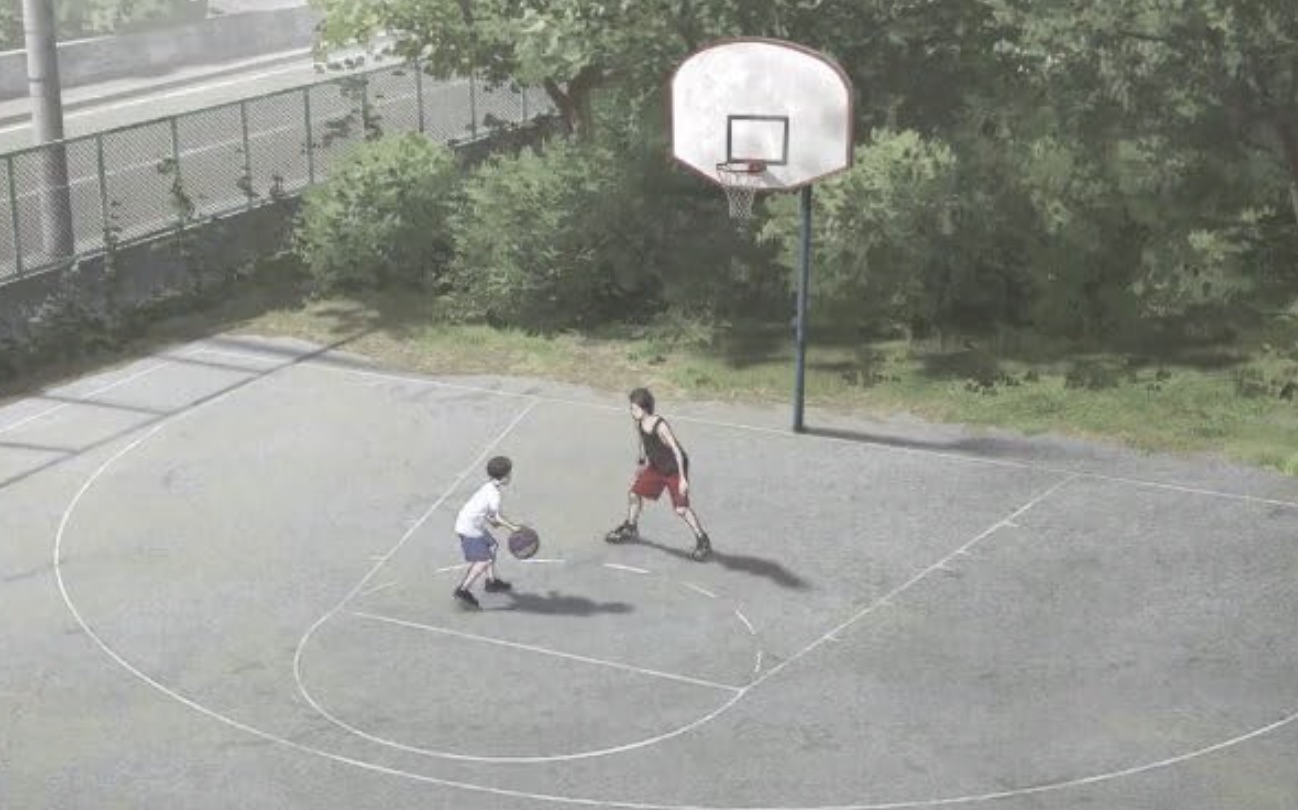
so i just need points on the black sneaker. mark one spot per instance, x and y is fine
(621, 534)
(467, 598)
(497, 586)
(702, 548)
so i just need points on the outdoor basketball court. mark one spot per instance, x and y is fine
(227, 575)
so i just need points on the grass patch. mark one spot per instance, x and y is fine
(1244, 408)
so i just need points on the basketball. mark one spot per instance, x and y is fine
(524, 542)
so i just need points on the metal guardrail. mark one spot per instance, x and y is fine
(143, 180)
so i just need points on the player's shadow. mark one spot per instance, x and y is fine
(559, 604)
(757, 566)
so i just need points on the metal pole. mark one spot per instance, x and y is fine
(105, 216)
(419, 92)
(178, 185)
(310, 146)
(473, 107)
(13, 211)
(45, 92)
(247, 151)
(804, 282)
(365, 109)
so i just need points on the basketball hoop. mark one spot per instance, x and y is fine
(740, 179)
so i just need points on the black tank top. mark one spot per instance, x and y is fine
(659, 454)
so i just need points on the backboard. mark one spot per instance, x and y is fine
(755, 99)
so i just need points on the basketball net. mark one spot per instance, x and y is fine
(740, 179)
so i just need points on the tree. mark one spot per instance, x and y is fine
(1217, 75)
(572, 48)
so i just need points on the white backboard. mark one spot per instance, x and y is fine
(762, 99)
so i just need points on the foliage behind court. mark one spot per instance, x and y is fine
(1021, 166)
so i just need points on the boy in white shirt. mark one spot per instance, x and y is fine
(479, 546)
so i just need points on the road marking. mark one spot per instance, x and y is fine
(188, 90)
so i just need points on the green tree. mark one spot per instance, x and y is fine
(881, 232)
(572, 48)
(1217, 75)
(382, 216)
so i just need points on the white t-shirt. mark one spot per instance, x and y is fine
(472, 520)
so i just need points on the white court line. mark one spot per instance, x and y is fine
(462, 566)
(671, 676)
(50, 411)
(747, 623)
(620, 567)
(698, 589)
(902, 588)
(378, 588)
(785, 434)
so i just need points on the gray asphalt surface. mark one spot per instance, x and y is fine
(137, 195)
(226, 579)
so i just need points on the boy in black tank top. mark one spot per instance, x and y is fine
(663, 464)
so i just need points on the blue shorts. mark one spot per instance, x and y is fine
(478, 549)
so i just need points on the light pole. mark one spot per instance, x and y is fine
(45, 92)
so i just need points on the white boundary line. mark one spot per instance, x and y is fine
(53, 409)
(785, 434)
(747, 623)
(653, 673)
(518, 794)
(699, 589)
(887, 598)
(535, 759)
(621, 567)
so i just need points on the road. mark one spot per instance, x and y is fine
(136, 137)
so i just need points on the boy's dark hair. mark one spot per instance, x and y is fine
(643, 398)
(499, 467)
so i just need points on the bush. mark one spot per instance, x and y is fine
(880, 232)
(382, 216)
(530, 250)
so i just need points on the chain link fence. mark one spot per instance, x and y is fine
(139, 181)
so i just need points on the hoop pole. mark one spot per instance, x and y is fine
(804, 282)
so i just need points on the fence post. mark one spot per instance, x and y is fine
(365, 108)
(104, 215)
(525, 119)
(310, 140)
(473, 107)
(13, 211)
(247, 151)
(419, 93)
(176, 182)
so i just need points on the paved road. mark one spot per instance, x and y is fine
(136, 138)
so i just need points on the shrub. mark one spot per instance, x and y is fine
(530, 251)
(381, 217)
(880, 231)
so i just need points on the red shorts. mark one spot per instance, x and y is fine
(649, 483)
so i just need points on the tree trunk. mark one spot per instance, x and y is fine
(574, 102)
(1289, 143)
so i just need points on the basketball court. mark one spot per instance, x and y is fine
(228, 574)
